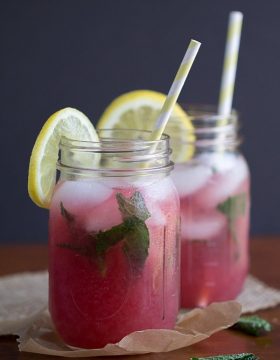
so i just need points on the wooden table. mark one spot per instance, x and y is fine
(265, 259)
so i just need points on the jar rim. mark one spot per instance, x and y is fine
(128, 154)
(210, 130)
(209, 112)
(109, 141)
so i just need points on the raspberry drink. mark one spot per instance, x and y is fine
(213, 187)
(113, 256)
(214, 259)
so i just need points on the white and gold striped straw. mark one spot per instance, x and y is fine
(175, 89)
(230, 62)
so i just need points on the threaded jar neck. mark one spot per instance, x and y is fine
(209, 131)
(119, 153)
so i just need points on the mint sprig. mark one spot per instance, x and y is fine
(133, 207)
(134, 213)
(232, 208)
(253, 325)
(136, 243)
(132, 232)
(243, 356)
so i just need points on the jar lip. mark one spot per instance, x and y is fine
(121, 152)
(209, 112)
(109, 141)
(210, 130)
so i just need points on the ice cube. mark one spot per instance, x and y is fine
(104, 216)
(218, 161)
(75, 194)
(222, 185)
(158, 190)
(202, 226)
(190, 178)
(160, 198)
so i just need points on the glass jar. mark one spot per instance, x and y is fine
(214, 189)
(113, 239)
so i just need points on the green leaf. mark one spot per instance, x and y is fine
(243, 356)
(134, 212)
(105, 239)
(135, 236)
(133, 206)
(133, 232)
(136, 244)
(234, 206)
(253, 325)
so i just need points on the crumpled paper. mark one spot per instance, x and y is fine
(22, 297)
(256, 295)
(191, 328)
(23, 311)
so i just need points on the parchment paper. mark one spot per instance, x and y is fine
(23, 311)
(191, 328)
(256, 295)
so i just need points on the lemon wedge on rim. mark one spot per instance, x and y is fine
(139, 110)
(67, 122)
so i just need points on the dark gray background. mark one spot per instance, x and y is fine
(83, 53)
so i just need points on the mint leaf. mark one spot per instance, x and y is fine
(133, 206)
(243, 356)
(253, 325)
(137, 242)
(105, 239)
(96, 244)
(232, 208)
(133, 232)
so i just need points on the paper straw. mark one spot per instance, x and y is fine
(175, 89)
(230, 63)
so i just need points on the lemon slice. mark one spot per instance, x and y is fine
(42, 167)
(139, 110)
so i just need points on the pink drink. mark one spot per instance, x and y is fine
(94, 299)
(214, 199)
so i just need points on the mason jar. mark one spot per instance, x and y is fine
(113, 239)
(213, 183)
